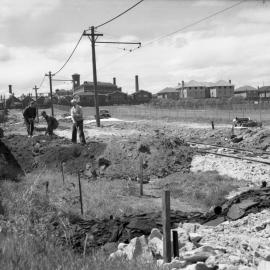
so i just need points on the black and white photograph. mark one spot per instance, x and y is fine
(135, 134)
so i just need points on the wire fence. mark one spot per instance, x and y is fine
(259, 113)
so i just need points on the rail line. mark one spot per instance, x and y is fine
(241, 157)
(258, 152)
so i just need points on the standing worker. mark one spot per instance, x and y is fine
(29, 115)
(77, 119)
(52, 123)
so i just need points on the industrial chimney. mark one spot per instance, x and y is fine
(136, 83)
(10, 89)
(76, 81)
(230, 82)
(183, 84)
(114, 80)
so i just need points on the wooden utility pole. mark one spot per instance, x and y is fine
(35, 88)
(51, 94)
(93, 38)
(166, 222)
(93, 41)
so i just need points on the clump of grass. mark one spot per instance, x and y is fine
(33, 253)
(207, 188)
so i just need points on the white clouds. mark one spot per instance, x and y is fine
(234, 45)
(4, 53)
(25, 9)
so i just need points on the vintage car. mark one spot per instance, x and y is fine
(103, 114)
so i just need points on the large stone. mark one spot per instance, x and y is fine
(198, 255)
(155, 233)
(156, 246)
(195, 237)
(138, 248)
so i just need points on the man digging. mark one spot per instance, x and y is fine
(77, 119)
(52, 123)
(29, 115)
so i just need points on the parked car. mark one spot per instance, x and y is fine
(103, 114)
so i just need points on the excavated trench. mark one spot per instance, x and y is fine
(19, 154)
(100, 232)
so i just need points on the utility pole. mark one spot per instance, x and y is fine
(50, 79)
(35, 88)
(93, 38)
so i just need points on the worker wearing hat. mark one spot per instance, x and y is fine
(29, 115)
(77, 119)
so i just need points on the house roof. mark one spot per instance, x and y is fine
(245, 88)
(194, 83)
(135, 93)
(168, 90)
(100, 84)
(264, 88)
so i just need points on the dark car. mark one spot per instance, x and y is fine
(104, 114)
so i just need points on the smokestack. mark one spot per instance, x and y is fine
(183, 84)
(114, 80)
(10, 89)
(136, 83)
(76, 81)
(230, 82)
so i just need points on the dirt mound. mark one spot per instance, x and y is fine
(256, 138)
(9, 167)
(161, 155)
(42, 151)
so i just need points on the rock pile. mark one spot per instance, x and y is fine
(242, 244)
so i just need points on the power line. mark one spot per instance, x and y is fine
(42, 81)
(77, 44)
(114, 18)
(172, 33)
(194, 23)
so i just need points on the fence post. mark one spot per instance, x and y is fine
(80, 191)
(212, 123)
(166, 226)
(141, 176)
(175, 244)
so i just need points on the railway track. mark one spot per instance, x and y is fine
(260, 156)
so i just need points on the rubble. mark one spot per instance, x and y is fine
(241, 244)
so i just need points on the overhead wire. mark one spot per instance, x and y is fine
(122, 13)
(193, 24)
(176, 31)
(42, 81)
(76, 46)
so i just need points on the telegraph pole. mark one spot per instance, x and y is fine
(93, 41)
(93, 37)
(35, 88)
(50, 79)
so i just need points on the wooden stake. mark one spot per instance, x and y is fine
(80, 191)
(166, 226)
(62, 171)
(47, 188)
(175, 244)
(213, 126)
(141, 176)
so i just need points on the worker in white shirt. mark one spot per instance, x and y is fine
(77, 119)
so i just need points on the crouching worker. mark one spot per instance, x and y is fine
(29, 115)
(52, 123)
(77, 119)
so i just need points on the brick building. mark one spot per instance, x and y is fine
(169, 93)
(108, 93)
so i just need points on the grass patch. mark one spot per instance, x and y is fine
(31, 253)
(207, 188)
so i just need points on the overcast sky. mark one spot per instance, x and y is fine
(39, 35)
